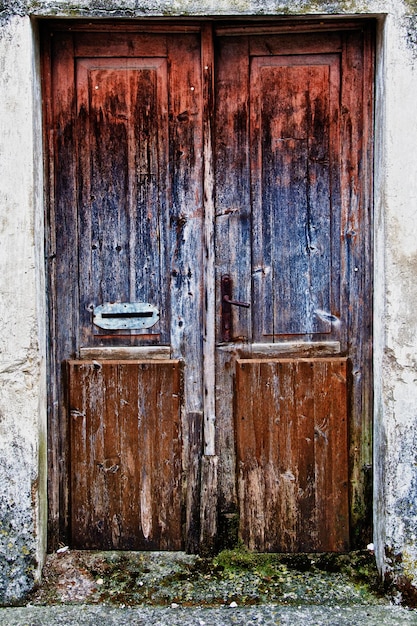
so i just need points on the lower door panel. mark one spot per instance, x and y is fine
(125, 454)
(292, 454)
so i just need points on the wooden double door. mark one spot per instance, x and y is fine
(209, 263)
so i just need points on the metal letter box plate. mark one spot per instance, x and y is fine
(125, 315)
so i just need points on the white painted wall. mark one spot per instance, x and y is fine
(22, 310)
(22, 314)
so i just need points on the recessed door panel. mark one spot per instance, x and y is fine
(122, 112)
(293, 134)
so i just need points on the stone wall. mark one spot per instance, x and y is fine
(22, 301)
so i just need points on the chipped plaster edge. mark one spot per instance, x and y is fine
(39, 235)
(394, 414)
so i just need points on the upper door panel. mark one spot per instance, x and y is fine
(129, 129)
(124, 181)
(293, 136)
(278, 186)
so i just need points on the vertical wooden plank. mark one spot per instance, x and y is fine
(249, 473)
(225, 438)
(337, 384)
(232, 179)
(50, 265)
(108, 189)
(167, 456)
(282, 512)
(88, 511)
(232, 240)
(109, 467)
(96, 531)
(209, 317)
(146, 468)
(80, 509)
(186, 207)
(130, 453)
(331, 456)
(322, 216)
(356, 122)
(307, 520)
(160, 450)
(209, 488)
(186, 244)
(150, 182)
(291, 434)
(62, 266)
(193, 482)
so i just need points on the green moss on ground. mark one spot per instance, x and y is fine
(240, 576)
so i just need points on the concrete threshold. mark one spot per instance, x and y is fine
(234, 587)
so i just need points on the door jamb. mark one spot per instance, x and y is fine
(208, 502)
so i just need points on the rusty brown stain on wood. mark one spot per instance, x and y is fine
(123, 151)
(125, 454)
(292, 453)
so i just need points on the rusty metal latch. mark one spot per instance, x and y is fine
(227, 303)
(235, 302)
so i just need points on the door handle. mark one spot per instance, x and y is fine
(226, 307)
(235, 302)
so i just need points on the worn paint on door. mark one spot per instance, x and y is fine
(292, 454)
(183, 164)
(125, 454)
(292, 231)
(127, 224)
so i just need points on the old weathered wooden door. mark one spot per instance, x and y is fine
(209, 279)
(126, 268)
(292, 235)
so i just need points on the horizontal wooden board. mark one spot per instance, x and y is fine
(120, 44)
(292, 44)
(292, 454)
(282, 349)
(124, 352)
(125, 454)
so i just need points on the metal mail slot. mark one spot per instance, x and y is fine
(125, 315)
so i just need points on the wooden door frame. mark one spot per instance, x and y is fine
(206, 519)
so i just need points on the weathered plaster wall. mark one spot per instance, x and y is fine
(22, 367)
(396, 299)
(22, 380)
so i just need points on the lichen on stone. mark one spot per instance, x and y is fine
(18, 564)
